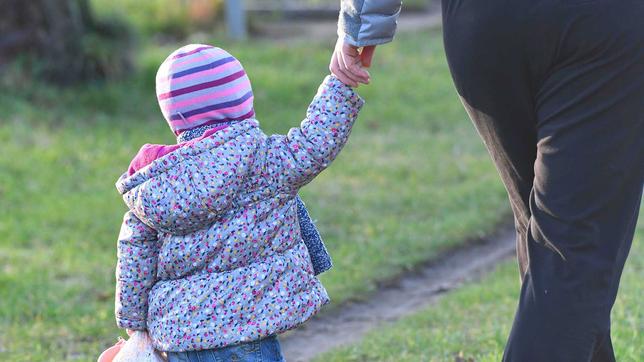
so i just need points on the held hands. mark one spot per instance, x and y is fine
(348, 63)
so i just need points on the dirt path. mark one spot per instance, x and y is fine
(325, 30)
(410, 293)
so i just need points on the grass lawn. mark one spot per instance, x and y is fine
(413, 180)
(475, 321)
(181, 17)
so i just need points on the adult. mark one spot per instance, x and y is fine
(555, 89)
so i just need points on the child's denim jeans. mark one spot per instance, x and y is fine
(264, 350)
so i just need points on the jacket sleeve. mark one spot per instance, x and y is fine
(137, 254)
(368, 22)
(294, 159)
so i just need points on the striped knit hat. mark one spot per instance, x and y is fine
(201, 85)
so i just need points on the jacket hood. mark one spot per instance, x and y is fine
(193, 198)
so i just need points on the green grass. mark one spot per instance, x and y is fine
(474, 321)
(413, 181)
(168, 17)
(178, 18)
(162, 15)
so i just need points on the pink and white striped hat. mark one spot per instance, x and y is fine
(201, 85)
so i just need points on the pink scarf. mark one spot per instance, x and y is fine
(150, 152)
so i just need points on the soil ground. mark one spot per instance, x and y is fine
(410, 293)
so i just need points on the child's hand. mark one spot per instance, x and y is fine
(347, 64)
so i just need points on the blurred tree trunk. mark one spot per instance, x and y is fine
(63, 37)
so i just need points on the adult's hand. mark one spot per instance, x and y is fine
(347, 63)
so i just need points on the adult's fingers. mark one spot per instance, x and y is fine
(366, 55)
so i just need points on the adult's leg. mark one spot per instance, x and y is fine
(588, 183)
(575, 71)
(604, 350)
(481, 39)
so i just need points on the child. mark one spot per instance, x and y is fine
(211, 260)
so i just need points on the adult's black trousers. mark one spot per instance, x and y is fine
(555, 88)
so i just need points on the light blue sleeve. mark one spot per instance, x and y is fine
(368, 22)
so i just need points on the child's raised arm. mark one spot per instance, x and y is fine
(295, 159)
(138, 252)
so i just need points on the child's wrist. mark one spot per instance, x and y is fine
(332, 78)
(334, 85)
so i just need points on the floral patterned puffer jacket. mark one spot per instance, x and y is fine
(210, 252)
